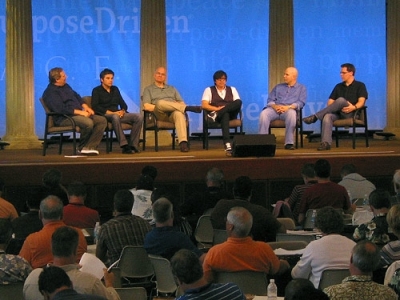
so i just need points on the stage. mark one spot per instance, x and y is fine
(183, 173)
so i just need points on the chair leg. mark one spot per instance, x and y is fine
(60, 144)
(74, 142)
(354, 137)
(297, 137)
(337, 137)
(44, 145)
(156, 139)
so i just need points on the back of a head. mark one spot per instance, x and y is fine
(299, 288)
(150, 171)
(51, 178)
(322, 168)
(308, 170)
(329, 220)
(51, 208)
(53, 278)
(162, 210)
(242, 221)
(243, 187)
(77, 189)
(64, 241)
(186, 266)
(393, 219)
(347, 169)
(145, 182)
(123, 201)
(366, 256)
(379, 198)
(215, 176)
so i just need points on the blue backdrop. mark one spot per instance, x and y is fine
(84, 37)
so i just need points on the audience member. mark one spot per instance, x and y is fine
(240, 252)
(167, 105)
(150, 171)
(37, 246)
(189, 275)
(7, 210)
(331, 251)
(359, 285)
(391, 251)
(61, 98)
(142, 205)
(303, 289)
(76, 213)
(198, 203)
(165, 239)
(324, 193)
(396, 185)
(64, 242)
(265, 225)
(354, 183)
(108, 102)
(376, 230)
(223, 104)
(54, 284)
(51, 181)
(13, 269)
(123, 230)
(283, 102)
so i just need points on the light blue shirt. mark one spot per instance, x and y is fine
(282, 94)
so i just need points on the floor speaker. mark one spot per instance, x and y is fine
(254, 145)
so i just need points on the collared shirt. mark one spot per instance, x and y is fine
(360, 287)
(80, 216)
(102, 100)
(283, 94)
(375, 230)
(349, 92)
(214, 291)
(153, 93)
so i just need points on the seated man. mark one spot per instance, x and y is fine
(345, 98)
(391, 251)
(283, 102)
(240, 252)
(359, 285)
(108, 102)
(61, 98)
(189, 275)
(142, 205)
(223, 103)
(165, 239)
(357, 185)
(331, 251)
(167, 104)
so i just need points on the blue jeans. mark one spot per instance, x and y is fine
(269, 114)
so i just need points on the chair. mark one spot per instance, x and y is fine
(358, 120)
(220, 236)
(137, 293)
(165, 282)
(135, 267)
(236, 124)
(298, 129)
(12, 291)
(51, 129)
(288, 245)
(288, 223)
(204, 232)
(250, 282)
(280, 237)
(332, 276)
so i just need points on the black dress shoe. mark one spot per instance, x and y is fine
(184, 147)
(289, 147)
(126, 150)
(135, 150)
(324, 146)
(310, 119)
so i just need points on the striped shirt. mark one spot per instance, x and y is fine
(390, 253)
(214, 291)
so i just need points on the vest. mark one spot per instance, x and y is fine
(216, 99)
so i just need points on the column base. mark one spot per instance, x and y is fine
(22, 143)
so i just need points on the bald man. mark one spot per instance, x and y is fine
(283, 103)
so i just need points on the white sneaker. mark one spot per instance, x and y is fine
(228, 149)
(212, 116)
(89, 152)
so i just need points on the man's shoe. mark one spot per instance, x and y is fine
(184, 147)
(310, 119)
(135, 150)
(228, 149)
(195, 109)
(89, 151)
(289, 147)
(212, 116)
(324, 146)
(126, 150)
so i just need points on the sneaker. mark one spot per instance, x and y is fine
(228, 149)
(89, 151)
(126, 150)
(212, 116)
(135, 150)
(184, 147)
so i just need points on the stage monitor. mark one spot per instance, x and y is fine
(254, 145)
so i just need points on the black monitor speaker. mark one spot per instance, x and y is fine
(254, 145)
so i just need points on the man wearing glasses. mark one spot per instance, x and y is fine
(345, 99)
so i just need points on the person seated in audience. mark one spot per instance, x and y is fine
(165, 239)
(324, 193)
(357, 185)
(391, 251)
(240, 252)
(54, 284)
(76, 213)
(64, 243)
(376, 230)
(359, 285)
(7, 210)
(142, 205)
(150, 171)
(37, 246)
(189, 275)
(123, 230)
(198, 203)
(265, 225)
(51, 181)
(331, 251)
(396, 185)
(13, 269)
(303, 289)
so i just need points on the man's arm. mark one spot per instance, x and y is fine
(147, 100)
(351, 107)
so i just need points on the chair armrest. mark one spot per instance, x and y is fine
(71, 120)
(358, 112)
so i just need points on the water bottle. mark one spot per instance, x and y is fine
(272, 290)
(366, 202)
(313, 217)
(348, 193)
(96, 231)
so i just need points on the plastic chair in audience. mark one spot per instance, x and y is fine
(12, 291)
(250, 282)
(288, 223)
(165, 282)
(220, 236)
(332, 276)
(294, 237)
(288, 245)
(204, 232)
(136, 293)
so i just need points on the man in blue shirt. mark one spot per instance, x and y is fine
(283, 102)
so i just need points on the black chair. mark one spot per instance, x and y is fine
(298, 130)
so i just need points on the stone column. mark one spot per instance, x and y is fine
(20, 109)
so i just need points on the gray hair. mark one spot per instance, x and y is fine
(241, 219)
(396, 181)
(51, 208)
(366, 256)
(162, 210)
(215, 175)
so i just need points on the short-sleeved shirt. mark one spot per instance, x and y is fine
(7, 210)
(349, 92)
(214, 291)
(153, 93)
(78, 215)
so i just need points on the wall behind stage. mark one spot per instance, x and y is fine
(85, 36)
